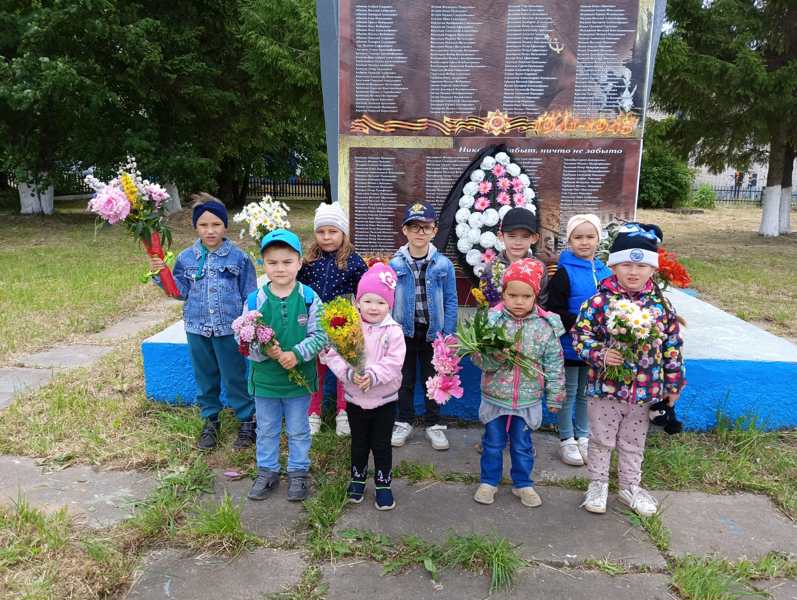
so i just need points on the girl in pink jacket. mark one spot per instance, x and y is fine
(371, 395)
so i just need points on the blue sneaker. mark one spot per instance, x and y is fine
(356, 491)
(384, 499)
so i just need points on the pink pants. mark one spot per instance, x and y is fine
(613, 423)
(318, 397)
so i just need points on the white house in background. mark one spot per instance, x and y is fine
(726, 177)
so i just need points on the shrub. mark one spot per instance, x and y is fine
(665, 179)
(703, 197)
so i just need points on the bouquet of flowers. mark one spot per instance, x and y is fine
(671, 271)
(474, 336)
(263, 217)
(633, 328)
(253, 334)
(341, 322)
(141, 206)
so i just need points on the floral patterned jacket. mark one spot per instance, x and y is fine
(659, 367)
(506, 385)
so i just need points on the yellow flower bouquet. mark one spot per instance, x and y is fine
(341, 322)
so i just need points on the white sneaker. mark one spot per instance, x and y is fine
(342, 424)
(640, 501)
(485, 493)
(583, 448)
(437, 435)
(596, 496)
(315, 424)
(401, 431)
(569, 453)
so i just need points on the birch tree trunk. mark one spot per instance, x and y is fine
(786, 191)
(173, 203)
(770, 214)
(34, 200)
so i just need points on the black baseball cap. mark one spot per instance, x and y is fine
(420, 211)
(519, 218)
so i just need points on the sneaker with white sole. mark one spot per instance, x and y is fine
(583, 448)
(569, 453)
(401, 431)
(639, 500)
(315, 423)
(596, 496)
(485, 493)
(342, 424)
(528, 496)
(437, 435)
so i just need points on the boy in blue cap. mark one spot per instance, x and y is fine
(291, 310)
(425, 305)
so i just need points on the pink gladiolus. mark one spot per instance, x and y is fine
(482, 203)
(517, 185)
(110, 204)
(444, 354)
(503, 198)
(504, 184)
(485, 187)
(499, 170)
(441, 388)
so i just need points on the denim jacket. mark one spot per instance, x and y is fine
(213, 302)
(441, 293)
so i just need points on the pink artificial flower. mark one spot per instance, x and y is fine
(482, 203)
(503, 198)
(520, 200)
(485, 187)
(489, 255)
(499, 170)
(156, 193)
(110, 204)
(504, 183)
(517, 185)
(441, 388)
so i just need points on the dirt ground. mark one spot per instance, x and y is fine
(733, 267)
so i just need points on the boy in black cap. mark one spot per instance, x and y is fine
(518, 232)
(425, 305)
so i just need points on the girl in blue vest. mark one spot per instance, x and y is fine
(575, 281)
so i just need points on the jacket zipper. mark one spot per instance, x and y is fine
(516, 375)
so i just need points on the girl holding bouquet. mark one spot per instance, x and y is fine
(214, 277)
(371, 388)
(629, 335)
(332, 268)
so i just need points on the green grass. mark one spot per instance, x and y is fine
(708, 578)
(218, 529)
(493, 555)
(655, 528)
(737, 457)
(606, 565)
(308, 588)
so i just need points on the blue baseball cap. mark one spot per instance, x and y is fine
(420, 211)
(283, 236)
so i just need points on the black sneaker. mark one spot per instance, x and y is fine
(384, 499)
(265, 483)
(209, 437)
(247, 435)
(298, 486)
(356, 491)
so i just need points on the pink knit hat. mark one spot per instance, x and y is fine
(380, 280)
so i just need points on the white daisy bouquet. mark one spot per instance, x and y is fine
(263, 217)
(632, 329)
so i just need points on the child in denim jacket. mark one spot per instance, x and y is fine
(214, 278)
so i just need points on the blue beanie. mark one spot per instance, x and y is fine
(212, 206)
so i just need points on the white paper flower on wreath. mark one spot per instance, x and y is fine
(503, 210)
(462, 230)
(525, 179)
(488, 163)
(466, 201)
(528, 194)
(490, 217)
(513, 169)
(531, 208)
(462, 215)
(503, 158)
(475, 220)
(477, 176)
(464, 245)
(499, 246)
(473, 236)
(470, 188)
(478, 270)
(473, 257)
(488, 239)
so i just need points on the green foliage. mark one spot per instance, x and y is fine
(716, 579)
(665, 178)
(703, 197)
(218, 529)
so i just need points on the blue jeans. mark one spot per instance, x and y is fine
(575, 386)
(269, 427)
(521, 451)
(216, 361)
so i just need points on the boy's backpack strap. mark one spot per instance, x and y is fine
(251, 300)
(309, 296)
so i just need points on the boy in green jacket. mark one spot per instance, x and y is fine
(291, 310)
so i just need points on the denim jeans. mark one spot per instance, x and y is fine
(216, 361)
(575, 385)
(521, 452)
(269, 427)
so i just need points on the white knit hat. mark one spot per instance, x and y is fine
(331, 214)
(577, 220)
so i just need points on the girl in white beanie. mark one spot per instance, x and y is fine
(332, 268)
